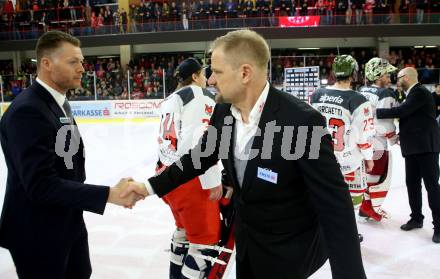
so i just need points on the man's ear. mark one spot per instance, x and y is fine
(246, 71)
(194, 76)
(45, 63)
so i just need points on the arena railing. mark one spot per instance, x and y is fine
(32, 30)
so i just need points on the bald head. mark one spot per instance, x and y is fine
(407, 77)
(411, 73)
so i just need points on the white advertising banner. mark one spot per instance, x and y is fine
(121, 109)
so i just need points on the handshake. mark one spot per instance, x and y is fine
(127, 193)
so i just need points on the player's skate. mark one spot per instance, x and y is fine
(367, 212)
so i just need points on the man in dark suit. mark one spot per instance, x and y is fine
(293, 208)
(420, 145)
(42, 222)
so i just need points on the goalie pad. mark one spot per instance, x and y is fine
(378, 191)
(379, 181)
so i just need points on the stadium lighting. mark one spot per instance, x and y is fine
(34, 60)
(106, 56)
(308, 48)
(418, 46)
(430, 46)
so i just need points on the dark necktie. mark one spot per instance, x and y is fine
(68, 110)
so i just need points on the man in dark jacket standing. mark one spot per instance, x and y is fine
(293, 211)
(42, 222)
(420, 145)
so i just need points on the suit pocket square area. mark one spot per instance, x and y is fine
(267, 175)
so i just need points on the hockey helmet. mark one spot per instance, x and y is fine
(188, 67)
(344, 65)
(377, 67)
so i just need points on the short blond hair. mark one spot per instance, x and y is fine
(244, 46)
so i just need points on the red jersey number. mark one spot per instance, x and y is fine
(338, 128)
(369, 124)
(169, 131)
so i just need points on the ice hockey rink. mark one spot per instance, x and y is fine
(133, 244)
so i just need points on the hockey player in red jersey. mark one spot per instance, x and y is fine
(185, 115)
(377, 71)
(350, 122)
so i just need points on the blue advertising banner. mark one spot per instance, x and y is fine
(92, 109)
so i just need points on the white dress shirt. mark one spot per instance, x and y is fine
(59, 97)
(245, 131)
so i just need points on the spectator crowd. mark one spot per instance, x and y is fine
(151, 76)
(40, 15)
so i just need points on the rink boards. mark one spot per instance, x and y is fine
(111, 111)
(133, 244)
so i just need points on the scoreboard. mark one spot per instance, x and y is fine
(301, 82)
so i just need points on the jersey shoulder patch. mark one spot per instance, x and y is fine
(208, 93)
(186, 94)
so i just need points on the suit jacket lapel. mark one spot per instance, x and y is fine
(54, 107)
(49, 100)
(268, 115)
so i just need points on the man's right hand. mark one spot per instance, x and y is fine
(134, 187)
(128, 200)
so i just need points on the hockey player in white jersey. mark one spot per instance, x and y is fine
(195, 205)
(350, 122)
(377, 71)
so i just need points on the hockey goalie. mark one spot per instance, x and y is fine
(377, 71)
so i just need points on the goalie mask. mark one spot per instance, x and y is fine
(377, 67)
